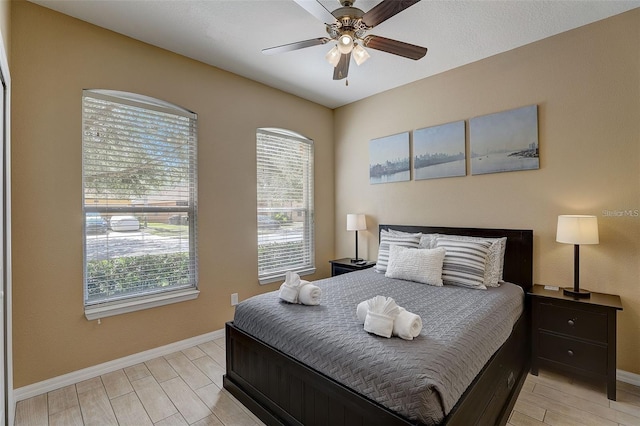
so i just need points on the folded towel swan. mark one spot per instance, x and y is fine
(382, 311)
(290, 287)
(406, 325)
(295, 290)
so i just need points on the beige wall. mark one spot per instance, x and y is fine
(586, 84)
(54, 58)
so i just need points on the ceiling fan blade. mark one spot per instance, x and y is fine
(342, 69)
(395, 47)
(295, 46)
(385, 10)
(318, 10)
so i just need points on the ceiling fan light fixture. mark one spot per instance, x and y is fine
(360, 55)
(333, 56)
(345, 43)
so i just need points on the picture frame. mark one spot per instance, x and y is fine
(439, 151)
(504, 141)
(389, 159)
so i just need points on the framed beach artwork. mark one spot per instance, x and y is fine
(505, 141)
(438, 151)
(389, 159)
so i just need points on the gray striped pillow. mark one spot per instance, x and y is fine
(464, 262)
(495, 259)
(387, 238)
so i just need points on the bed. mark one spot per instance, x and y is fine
(284, 386)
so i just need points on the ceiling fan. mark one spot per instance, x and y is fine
(348, 27)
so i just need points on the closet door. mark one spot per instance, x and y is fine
(3, 258)
(7, 409)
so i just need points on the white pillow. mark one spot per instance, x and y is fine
(493, 274)
(387, 239)
(420, 265)
(464, 262)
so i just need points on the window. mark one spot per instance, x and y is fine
(285, 204)
(139, 202)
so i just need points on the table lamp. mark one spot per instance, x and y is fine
(577, 230)
(356, 222)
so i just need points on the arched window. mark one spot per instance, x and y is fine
(139, 202)
(285, 204)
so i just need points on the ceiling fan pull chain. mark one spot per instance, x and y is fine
(346, 82)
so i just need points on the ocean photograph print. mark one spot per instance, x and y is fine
(389, 159)
(504, 141)
(438, 151)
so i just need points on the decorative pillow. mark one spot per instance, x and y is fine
(495, 260)
(402, 233)
(387, 239)
(428, 241)
(464, 262)
(420, 265)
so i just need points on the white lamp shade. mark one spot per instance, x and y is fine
(577, 229)
(356, 222)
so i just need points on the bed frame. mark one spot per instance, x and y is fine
(282, 391)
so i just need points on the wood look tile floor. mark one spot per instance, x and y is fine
(185, 388)
(556, 399)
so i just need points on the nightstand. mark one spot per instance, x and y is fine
(343, 266)
(577, 336)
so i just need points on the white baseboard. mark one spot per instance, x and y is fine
(631, 378)
(48, 385)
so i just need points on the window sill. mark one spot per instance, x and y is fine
(280, 277)
(132, 305)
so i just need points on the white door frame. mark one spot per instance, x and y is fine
(8, 403)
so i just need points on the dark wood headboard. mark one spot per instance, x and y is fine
(518, 256)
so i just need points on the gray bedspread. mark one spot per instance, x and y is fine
(420, 379)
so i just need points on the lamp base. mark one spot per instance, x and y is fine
(580, 294)
(356, 260)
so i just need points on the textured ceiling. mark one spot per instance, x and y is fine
(230, 35)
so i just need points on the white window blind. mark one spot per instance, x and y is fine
(139, 196)
(285, 204)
